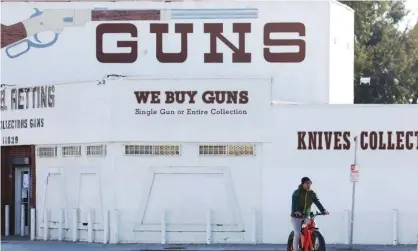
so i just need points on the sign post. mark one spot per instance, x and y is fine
(354, 178)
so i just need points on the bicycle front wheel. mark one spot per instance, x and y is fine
(318, 241)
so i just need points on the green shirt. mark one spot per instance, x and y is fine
(302, 201)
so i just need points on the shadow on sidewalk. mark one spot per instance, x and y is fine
(5, 239)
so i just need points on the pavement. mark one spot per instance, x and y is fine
(16, 244)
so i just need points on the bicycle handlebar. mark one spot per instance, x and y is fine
(312, 215)
(316, 214)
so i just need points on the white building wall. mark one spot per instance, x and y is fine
(186, 186)
(66, 61)
(88, 112)
(384, 174)
(139, 187)
(341, 54)
(73, 182)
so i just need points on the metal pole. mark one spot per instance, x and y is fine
(7, 220)
(208, 227)
(163, 227)
(90, 225)
(22, 220)
(417, 242)
(32, 224)
(395, 227)
(254, 229)
(75, 224)
(46, 223)
(61, 224)
(106, 227)
(353, 198)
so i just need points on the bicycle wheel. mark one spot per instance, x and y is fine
(290, 242)
(318, 241)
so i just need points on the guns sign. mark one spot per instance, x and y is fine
(25, 34)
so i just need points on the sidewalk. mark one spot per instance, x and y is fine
(24, 245)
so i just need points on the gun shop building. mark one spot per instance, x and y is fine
(168, 122)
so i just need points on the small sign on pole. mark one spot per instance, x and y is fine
(354, 173)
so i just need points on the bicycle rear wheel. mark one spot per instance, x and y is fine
(290, 242)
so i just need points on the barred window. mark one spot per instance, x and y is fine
(212, 150)
(227, 150)
(71, 151)
(96, 150)
(240, 150)
(165, 150)
(47, 151)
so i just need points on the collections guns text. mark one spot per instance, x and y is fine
(25, 98)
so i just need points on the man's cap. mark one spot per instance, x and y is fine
(304, 180)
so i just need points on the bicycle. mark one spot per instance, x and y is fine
(309, 236)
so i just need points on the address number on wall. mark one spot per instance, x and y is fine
(10, 140)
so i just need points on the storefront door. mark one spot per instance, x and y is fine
(22, 191)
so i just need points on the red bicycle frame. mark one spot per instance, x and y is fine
(307, 230)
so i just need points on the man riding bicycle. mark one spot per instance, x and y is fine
(302, 200)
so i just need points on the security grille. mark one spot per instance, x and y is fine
(47, 151)
(166, 150)
(240, 150)
(96, 150)
(212, 150)
(227, 150)
(71, 151)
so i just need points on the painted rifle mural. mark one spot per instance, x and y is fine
(55, 20)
